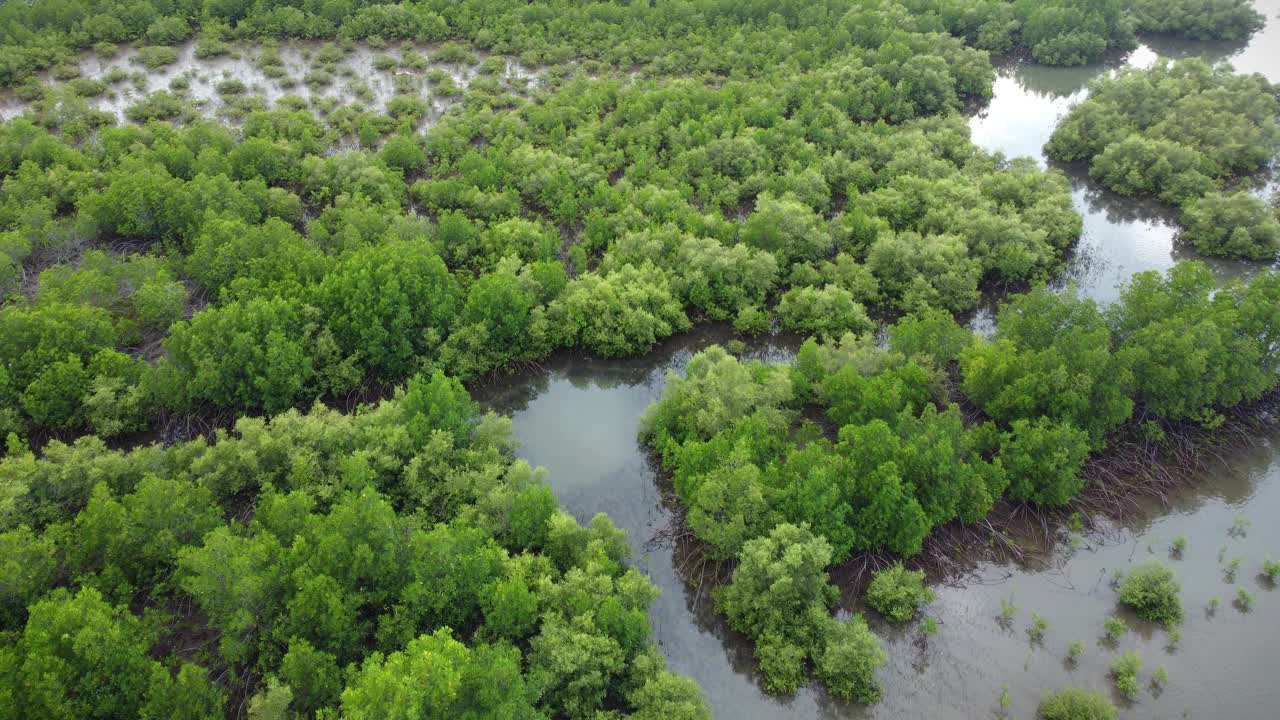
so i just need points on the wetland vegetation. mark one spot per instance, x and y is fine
(251, 252)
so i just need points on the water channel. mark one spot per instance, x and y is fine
(578, 417)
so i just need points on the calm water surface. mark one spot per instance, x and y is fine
(1122, 235)
(578, 417)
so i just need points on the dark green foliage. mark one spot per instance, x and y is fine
(1051, 357)
(1054, 382)
(1074, 33)
(621, 313)
(250, 354)
(848, 661)
(438, 677)
(1076, 704)
(1043, 460)
(398, 560)
(28, 571)
(407, 527)
(830, 312)
(1153, 591)
(930, 334)
(787, 228)
(780, 597)
(669, 697)
(928, 271)
(132, 543)
(439, 404)
(34, 337)
(534, 226)
(82, 657)
(897, 593)
(389, 304)
(1193, 349)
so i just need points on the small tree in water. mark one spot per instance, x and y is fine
(1074, 651)
(1115, 628)
(1152, 591)
(1007, 611)
(1076, 704)
(1271, 569)
(1124, 670)
(896, 593)
(1038, 626)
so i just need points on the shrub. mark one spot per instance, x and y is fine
(849, 660)
(751, 320)
(1219, 19)
(1076, 704)
(155, 56)
(159, 303)
(1115, 628)
(1075, 650)
(1043, 459)
(830, 311)
(1152, 590)
(1037, 628)
(1124, 670)
(1271, 569)
(1238, 225)
(168, 30)
(231, 86)
(896, 593)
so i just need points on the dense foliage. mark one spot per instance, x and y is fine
(780, 596)
(276, 558)
(1076, 704)
(36, 36)
(673, 161)
(864, 447)
(293, 258)
(1199, 19)
(1154, 593)
(896, 593)
(1178, 130)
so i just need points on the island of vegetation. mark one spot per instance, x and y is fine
(862, 448)
(1186, 132)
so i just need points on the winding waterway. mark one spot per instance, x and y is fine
(578, 417)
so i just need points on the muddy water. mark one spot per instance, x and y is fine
(578, 417)
(355, 77)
